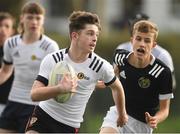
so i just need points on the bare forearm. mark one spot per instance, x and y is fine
(43, 93)
(162, 115)
(119, 100)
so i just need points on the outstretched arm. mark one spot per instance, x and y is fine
(119, 99)
(160, 116)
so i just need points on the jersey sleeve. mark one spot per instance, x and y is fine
(166, 58)
(53, 47)
(165, 82)
(7, 53)
(119, 56)
(108, 75)
(125, 45)
(45, 69)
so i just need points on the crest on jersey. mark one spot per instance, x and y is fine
(34, 57)
(144, 82)
(81, 75)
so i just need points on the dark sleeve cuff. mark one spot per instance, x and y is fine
(112, 81)
(42, 79)
(6, 62)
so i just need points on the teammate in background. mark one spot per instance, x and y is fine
(147, 83)
(158, 51)
(53, 117)
(7, 24)
(23, 54)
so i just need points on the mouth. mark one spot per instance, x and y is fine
(92, 45)
(141, 50)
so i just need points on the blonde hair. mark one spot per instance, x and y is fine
(32, 8)
(146, 26)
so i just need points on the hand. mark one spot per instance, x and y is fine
(122, 120)
(151, 120)
(68, 84)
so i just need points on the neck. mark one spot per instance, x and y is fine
(139, 63)
(76, 55)
(30, 38)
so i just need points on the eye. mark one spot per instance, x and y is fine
(138, 38)
(147, 40)
(7, 26)
(90, 33)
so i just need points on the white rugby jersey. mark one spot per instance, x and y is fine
(89, 72)
(159, 52)
(26, 59)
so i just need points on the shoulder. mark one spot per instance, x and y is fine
(120, 55)
(48, 39)
(158, 68)
(98, 63)
(58, 55)
(164, 56)
(125, 45)
(12, 42)
(160, 51)
(48, 42)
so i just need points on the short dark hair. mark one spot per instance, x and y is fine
(78, 20)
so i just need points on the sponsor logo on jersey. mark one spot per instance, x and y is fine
(81, 75)
(144, 82)
(34, 57)
(122, 74)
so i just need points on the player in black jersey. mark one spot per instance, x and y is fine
(147, 83)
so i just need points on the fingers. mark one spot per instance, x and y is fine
(147, 116)
(122, 120)
(152, 121)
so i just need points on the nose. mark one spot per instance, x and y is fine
(94, 38)
(142, 43)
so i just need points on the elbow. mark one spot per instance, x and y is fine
(34, 96)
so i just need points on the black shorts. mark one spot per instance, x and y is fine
(43, 123)
(15, 116)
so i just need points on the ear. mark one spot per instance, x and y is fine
(131, 40)
(74, 35)
(21, 18)
(154, 44)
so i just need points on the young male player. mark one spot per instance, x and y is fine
(51, 116)
(147, 84)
